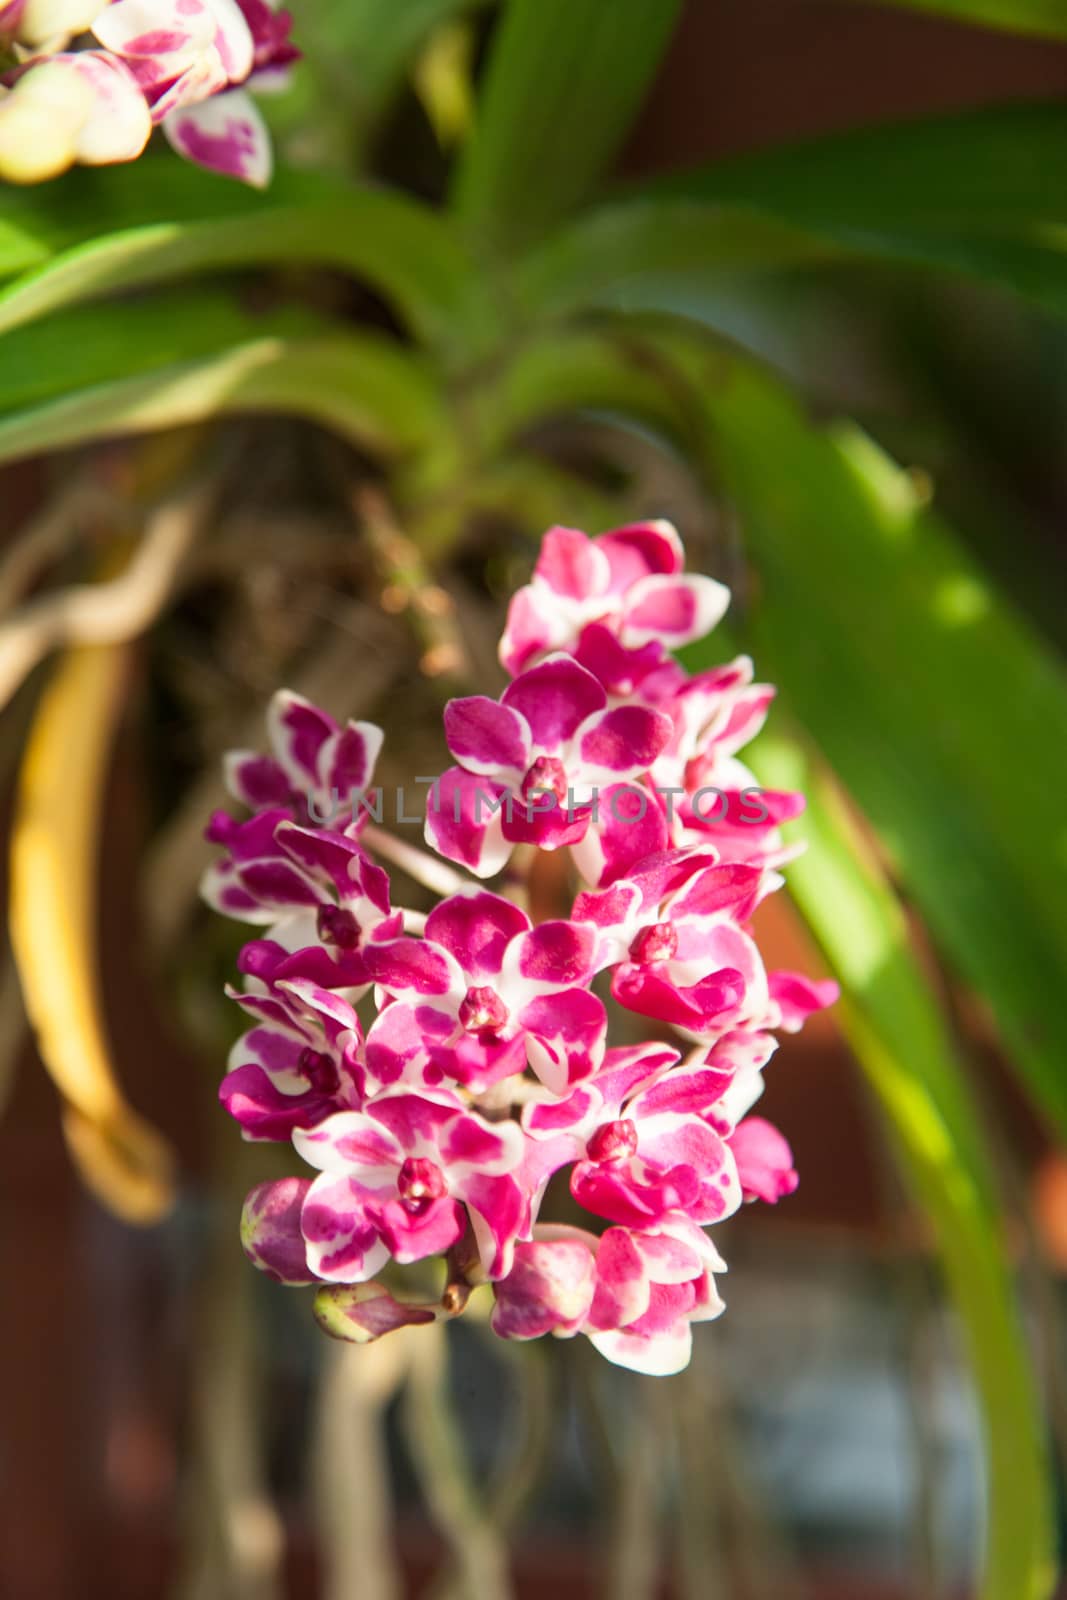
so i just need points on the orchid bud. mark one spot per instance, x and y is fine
(362, 1312)
(548, 1290)
(764, 1161)
(270, 1230)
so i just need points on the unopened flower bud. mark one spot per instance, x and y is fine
(548, 1290)
(270, 1230)
(362, 1312)
(764, 1161)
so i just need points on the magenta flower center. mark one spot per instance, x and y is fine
(338, 926)
(319, 1070)
(657, 943)
(546, 776)
(419, 1182)
(615, 1141)
(482, 1011)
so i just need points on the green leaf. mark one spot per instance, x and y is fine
(90, 234)
(363, 386)
(937, 707)
(555, 376)
(979, 193)
(1046, 17)
(659, 254)
(90, 345)
(564, 80)
(973, 168)
(896, 1029)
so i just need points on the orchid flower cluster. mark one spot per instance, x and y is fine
(478, 1090)
(87, 80)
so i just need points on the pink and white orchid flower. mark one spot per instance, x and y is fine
(489, 992)
(631, 581)
(395, 1179)
(542, 751)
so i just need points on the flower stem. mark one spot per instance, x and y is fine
(425, 869)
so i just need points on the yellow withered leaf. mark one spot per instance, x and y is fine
(54, 886)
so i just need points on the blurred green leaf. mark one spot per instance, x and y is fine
(86, 236)
(556, 375)
(91, 345)
(972, 169)
(659, 254)
(935, 705)
(362, 385)
(895, 1026)
(1047, 17)
(980, 193)
(564, 80)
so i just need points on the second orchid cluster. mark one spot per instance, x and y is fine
(86, 81)
(558, 1109)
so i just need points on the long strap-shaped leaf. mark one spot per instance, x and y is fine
(935, 705)
(973, 169)
(660, 254)
(54, 898)
(83, 346)
(77, 239)
(366, 388)
(564, 80)
(978, 192)
(893, 1023)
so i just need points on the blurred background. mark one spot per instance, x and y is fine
(172, 1424)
